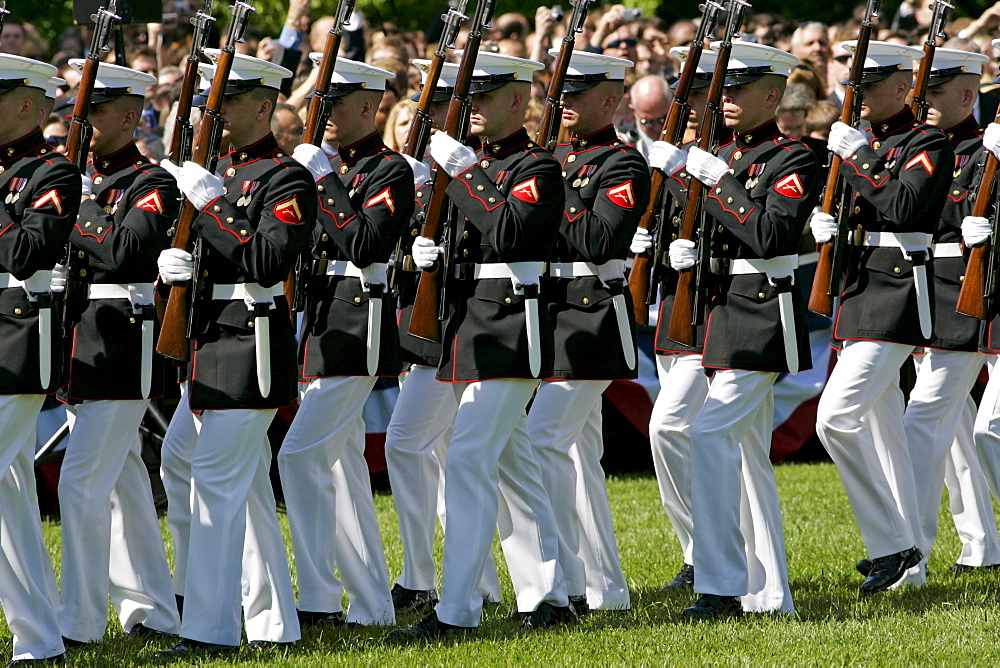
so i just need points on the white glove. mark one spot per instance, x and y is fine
(425, 252)
(642, 241)
(705, 167)
(845, 140)
(200, 186)
(36, 283)
(666, 157)
(175, 265)
(421, 172)
(975, 230)
(682, 254)
(314, 159)
(57, 283)
(991, 139)
(823, 227)
(88, 185)
(453, 156)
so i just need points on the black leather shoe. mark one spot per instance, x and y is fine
(321, 620)
(864, 567)
(267, 645)
(579, 605)
(887, 571)
(69, 643)
(143, 632)
(413, 600)
(683, 580)
(58, 659)
(711, 606)
(187, 647)
(428, 628)
(547, 615)
(960, 569)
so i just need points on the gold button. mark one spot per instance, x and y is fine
(962, 277)
(465, 252)
(729, 200)
(225, 190)
(1, 169)
(564, 174)
(506, 300)
(956, 192)
(243, 232)
(720, 228)
(17, 311)
(131, 320)
(895, 270)
(718, 190)
(280, 154)
(885, 128)
(572, 209)
(98, 180)
(83, 272)
(683, 175)
(761, 295)
(586, 301)
(484, 164)
(329, 201)
(229, 220)
(469, 176)
(531, 145)
(344, 169)
(480, 187)
(876, 145)
(322, 255)
(243, 156)
(571, 158)
(742, 210)
(420, 193)
(876, 177)
(725, 247)
(320, 188)
(216, 208)
(231, 171)
(749, 138)
(496, 148)
(492, 200)
(341, 215)
(357, 300)
(583, 142)
(465, 234)
(250, 323)
(324, 237)
(857, 209)
(737, 155)
(81, 254)
(100, 230)
(87, 224)
(414, 232)
(865, 166)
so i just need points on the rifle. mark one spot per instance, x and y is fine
(3, 14)
(551, 121)
(183, 136)
(175, 330)
(420, 133)
(426, 315)
(319, 112)
(685, 313)
(826, 282)
(919, 105)
(979, 284)
(673, 131)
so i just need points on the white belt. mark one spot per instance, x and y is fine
(502, 270)
(608, 270)
(953, 249)
(115, 290)
(238, 291)
(903, 240)
(342, 268)
(783, 264)
(8, 281)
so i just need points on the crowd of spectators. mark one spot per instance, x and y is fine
(811, 103)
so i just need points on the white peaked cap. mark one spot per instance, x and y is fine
(494, 70)
(749, 61)
(704, 68)
(884, 58)
(351, 75)
(249, 72)
(52, 87)
(20, 71)
(586, 69)
(114, 80)
(445, 83)
(949, 63)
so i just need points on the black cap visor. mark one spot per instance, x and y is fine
(580, 83)
(441, 94)
(480, 85)
(700, 80)
(875, 74)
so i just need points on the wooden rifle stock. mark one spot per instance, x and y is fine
(173, 341)
(972, 297)
(682, 315)
(825, 283)
(424, 323)
(673, 131)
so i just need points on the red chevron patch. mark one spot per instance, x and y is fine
(622, 195)
(790, 186)
(289, 211)
(151, 202)
(527, 191)
(51, 197)
(923, 160)
(385, 197)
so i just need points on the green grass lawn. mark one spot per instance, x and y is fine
(953, 620)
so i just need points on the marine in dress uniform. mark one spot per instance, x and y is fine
(253, 223)
(895, 171)
(40, 191)
(128, 207)
(496, 345)
(349, 339)
(940, 413)
(759, 191)
(683, 381)
(416, 439)
(607, 190)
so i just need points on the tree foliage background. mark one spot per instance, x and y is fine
(53, 17)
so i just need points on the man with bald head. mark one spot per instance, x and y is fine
(649, 101)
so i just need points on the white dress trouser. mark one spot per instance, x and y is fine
(932, 418)
(739, 544)
(229, 464)
(268, 602)
(490, 450)
(27, 584)
(859, 422)
(570, 460)
(969, 497)
(333, 521)
(683, 389)
(416, 446)
(111, 541)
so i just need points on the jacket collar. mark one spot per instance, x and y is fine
(760, 134)
(262, 148)
(964, 130)
(896, 123)
(33, 142)
(361, 148)
(123, 157)
(515, 142)
(606, 136)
